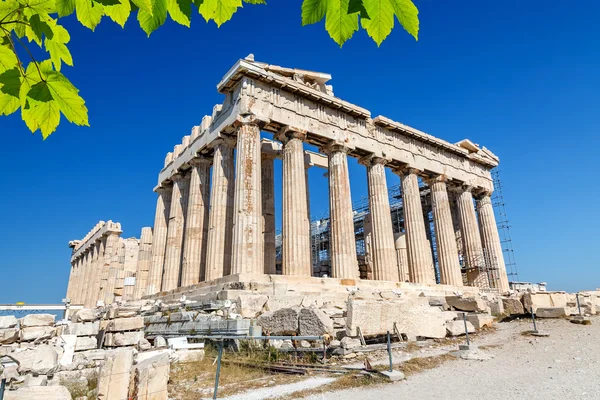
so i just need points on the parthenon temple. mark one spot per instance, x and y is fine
(215, 202)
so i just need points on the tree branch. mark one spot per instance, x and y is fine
(30, 56)
(12, 44)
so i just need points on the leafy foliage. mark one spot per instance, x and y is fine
(43, 94)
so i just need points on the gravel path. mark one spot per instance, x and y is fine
(564, 366)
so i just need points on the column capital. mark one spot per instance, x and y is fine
(480, 193)
(163, 189)
(245, 119)
(228, 141)
(373, 159)
(178, 176)
(436, 178)
(460, 188)
(336, 146)
(200, 160)
(269, 155)
(287, 133)
(406, 170)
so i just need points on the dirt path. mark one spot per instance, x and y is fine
(564, 366)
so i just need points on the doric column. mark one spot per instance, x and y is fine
(144, 261)
(473, 250)
(71, 281)
(247, 245)
(402, 257)
(76, 280)
(100, 243)
(92, 292)
(159, 239)
(111, 266)
(85, 275)
(196, 224)
(342, 243)
(420, 262)
(175, 231)
(220, 218)
(312, 256)
(385, 265)
(295, 226)
(268, 210)
(444, 233)
(491, 243)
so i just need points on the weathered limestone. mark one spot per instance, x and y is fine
(144, 263)
(280, 322)
(420, 261)
(42, 360)
(470, 304)
(343, 246)
(196, 223)
(114, 379)
(111, 263)
(159, 239)
(247, 241)
(314, 322)
(8, 321)
(220, 220)
(268, 210)
(444, 233)
(296, 227)
(402, 257)
(151, 377)
(491, 243)
(473, 250)
(457, 328)
(551, 312)
(37, 320)
(175, 231)
(39, 392)
(513, 306)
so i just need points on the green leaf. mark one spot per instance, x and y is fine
(338, 23)
(32, 77)
(180, 11)
(68, 99)
(41, 110)
(357, 6)
(255, 1)
(219, 11)
(382, 19)
(119, 12)
(8, 59)
(65, 7)
(37, 28)
(109, 2)
(40, 6)
(145, 5)
(8, 7)
(58, 52)
(10, 85)
(313, 11)
(89, 13)
(408, 16)
(149, 22)
(207, 8)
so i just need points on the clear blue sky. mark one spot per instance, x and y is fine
(520, 77)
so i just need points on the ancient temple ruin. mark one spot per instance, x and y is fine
(215, 210)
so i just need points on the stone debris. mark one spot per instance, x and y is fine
(457, 328)
(551, 312)
(39, 392)
(480, 320)
(31, 320)
(8, 321)
(471, 304)
(314, 322)
(513, 306)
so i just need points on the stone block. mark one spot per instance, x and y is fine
(68, 343)
(249, 306)
(125, 324)
(121, 339)
(40, 360)
(35, 380)
(8, 336)
(314, 322)
(8, 321)
(449, 315)
(513, 306)
(86, 315)
(551, 312)
(82, 328)
(496, 307)
(470, 304)
(412, 315)
(114, 379)
(284, 301)
(393, 375)
(480, 320)
(457, 328)
(280, 322)
(86, 343)
(37, 333)
(349, 343)
(543, 299)
(39, 392)
(37, 320)
(151, 378)
(192, 355)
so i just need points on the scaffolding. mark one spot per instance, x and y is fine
(503, 225)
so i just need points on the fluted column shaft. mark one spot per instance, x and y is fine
(86, 273)
(220, 218)
(295, 228)
(159, 239)
(76, 280)
(385, 263)
(196, 224)
(491, 243)
(100, 244)
(93, 288)
(111, 266)
(444, 234)
(268, 210)
(473, 250)
(175, 231)
(71, 282)
(144, 261)
(247, 245)
(402, 257)
(344, 263)
(420, 261)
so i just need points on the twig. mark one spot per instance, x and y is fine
(32, 58)
(14, 51)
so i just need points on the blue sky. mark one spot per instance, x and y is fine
(520, 77)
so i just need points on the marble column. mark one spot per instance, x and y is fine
(420, 261)
(344, 263)
(247, 244)
(268, 210)
(92, 293)
(98, 275)
(444, 233)
(76, 280)
(491, 243)
(402, 256)
(175, 231)
(295, 226)
(85, 275)
(385, 264)
(196, 223)
(220, 217)
(111, 265)
(159, 239)
(473, 250)
(144, 261)
(71, 282)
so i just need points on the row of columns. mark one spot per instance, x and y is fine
(204, 234)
